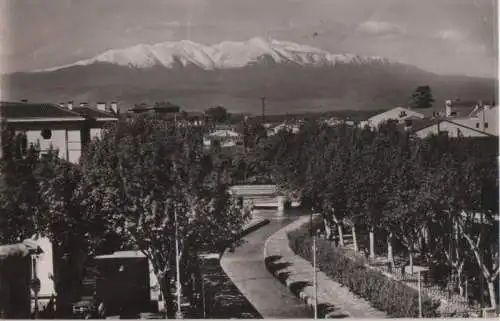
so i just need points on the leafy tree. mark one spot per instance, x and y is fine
(422, 97)
(218, 114)
(18, 188)
(152, 183)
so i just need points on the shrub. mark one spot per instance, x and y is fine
(385, 294)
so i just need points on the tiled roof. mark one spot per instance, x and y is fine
(93, 113)
(14, 110)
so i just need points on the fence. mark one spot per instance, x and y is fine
(434, 286)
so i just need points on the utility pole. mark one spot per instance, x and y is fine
(315, 279)
(263, 99)
(178, 314)
(1, 132)
(419, 296)
(203, 287)
(315, 283)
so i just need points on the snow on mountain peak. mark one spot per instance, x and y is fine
(224, 55)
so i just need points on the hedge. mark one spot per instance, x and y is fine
(385, 294)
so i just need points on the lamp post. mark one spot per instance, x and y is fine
(178, 313)
(315, 281)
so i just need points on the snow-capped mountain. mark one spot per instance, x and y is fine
(236, 75)
(224, 55)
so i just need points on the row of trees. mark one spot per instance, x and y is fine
(436, 198)
(139, 186)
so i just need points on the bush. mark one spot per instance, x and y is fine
(385, 294)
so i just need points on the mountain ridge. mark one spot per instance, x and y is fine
(292, 77)
(223, 55)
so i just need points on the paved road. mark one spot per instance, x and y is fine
(245, 266)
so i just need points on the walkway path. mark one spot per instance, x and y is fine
(334, 300)
(245, 266)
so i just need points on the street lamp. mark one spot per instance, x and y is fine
(178, 313)
(315, 281)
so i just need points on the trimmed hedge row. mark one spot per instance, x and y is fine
(385, 294)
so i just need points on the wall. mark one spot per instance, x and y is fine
(45, 271)
(66, 137)
(490, 118)
(450, 128)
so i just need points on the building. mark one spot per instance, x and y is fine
(17, 279)
(292, 127)
(461, 119)
(401, 115)
(159, 108)
(448, 126)
(463, 108)
(62, 127)
(483, 118)
(223, 137)
(127, 278)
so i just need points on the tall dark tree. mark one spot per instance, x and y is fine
(422, 97)
(217, 114)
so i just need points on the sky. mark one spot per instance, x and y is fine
(441, 36)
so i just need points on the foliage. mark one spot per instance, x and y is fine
(422, 97)
(151, 182)
(218, 114)
(386, 294)
(422, 194)
(18, 189)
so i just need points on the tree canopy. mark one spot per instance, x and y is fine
(422, 97)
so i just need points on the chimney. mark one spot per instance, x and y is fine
(24, 100)
(114, 107)
(101, 106)
(447, 108)
(70, 104)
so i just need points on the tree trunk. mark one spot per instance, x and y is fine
(341, 234)
(459, 282)
(411, 261)
(354, 240)
(328, 230)
(390, 254)
(372, 243)
(491, 290)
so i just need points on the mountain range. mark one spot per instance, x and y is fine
(236, 75)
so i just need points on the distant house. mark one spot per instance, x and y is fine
(292, 127)
(484, 119)
(449, 127)
(160, 108)
(65, 128)
(223, 137)
(399, 114)
(463, 108)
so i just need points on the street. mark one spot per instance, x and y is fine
(245, 266)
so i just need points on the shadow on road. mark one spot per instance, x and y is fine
(223, 299)
(298, 286)
(328, 310)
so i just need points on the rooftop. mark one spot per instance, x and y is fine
(15, 110)
(93, 113)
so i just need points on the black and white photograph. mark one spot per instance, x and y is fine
(249, 159)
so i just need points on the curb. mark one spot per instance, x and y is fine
(308, 300)
(249, 228)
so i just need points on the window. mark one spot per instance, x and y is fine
(46, 133)
(402, 114)
(477, 125)
(485, 125)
